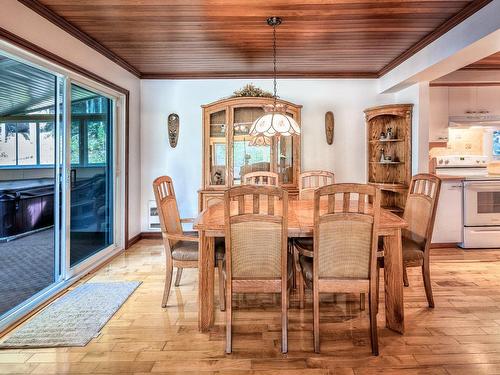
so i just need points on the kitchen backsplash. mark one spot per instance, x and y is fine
(461, 141)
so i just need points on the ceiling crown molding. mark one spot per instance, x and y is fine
(59, 21)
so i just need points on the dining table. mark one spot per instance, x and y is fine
(210, 224)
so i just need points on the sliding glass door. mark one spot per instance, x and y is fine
(58, 182)
(29, 183)
(91, 227)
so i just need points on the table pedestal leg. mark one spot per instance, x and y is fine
(205, 282)
(393, 275)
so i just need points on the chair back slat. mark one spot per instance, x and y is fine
(347, 202)
(420, 208)
(256, 205)
(256, 232)
(166, 204)
(270, 204)
(345, 231)
(311, 180)
(261, 178)
(361, 202)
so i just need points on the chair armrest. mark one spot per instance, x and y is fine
(187, 220)
(181, 237)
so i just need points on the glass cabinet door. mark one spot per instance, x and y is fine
(247, 155)
(217, 148)
(284, 160)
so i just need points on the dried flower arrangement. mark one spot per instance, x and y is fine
(251, 91)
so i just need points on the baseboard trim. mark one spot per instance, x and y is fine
(443, 245)
(134, 240)
(150, 235)
(154, 235)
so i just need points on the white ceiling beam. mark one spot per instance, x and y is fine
(471, 40)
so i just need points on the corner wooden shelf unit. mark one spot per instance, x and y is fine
(392, 177)
(229, 151)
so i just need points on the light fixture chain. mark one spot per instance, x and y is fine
(274, 63)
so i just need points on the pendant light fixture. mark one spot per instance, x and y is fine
(275, 121)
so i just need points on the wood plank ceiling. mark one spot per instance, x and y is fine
(230, 38)
(490, 62)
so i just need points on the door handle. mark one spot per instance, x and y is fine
(485, 231)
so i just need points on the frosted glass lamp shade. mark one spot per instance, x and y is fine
(260, 140)
(274, 122)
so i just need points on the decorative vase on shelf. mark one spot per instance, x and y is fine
(382, 156)
(389, 135)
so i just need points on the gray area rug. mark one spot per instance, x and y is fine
(26, 267)
(75, 318)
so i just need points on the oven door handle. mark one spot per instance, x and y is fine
(486, 231)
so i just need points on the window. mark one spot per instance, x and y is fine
(496, 143)
(89, 115)
(8, 142)
(88, 141)
(46, 141)
(96, 142)
(75, 142)
(26, 143)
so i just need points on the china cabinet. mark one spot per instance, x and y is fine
(229, 152)
(389, 152)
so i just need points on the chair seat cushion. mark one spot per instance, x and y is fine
(306, 265)
(185, 250)
(188, 250)
(412, 251)
(289, 264)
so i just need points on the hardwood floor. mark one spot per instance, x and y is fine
(461, 336)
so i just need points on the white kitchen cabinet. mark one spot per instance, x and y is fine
(448, 227)
(438, 115)
(462, 100)
(474, 99)
(488, 99)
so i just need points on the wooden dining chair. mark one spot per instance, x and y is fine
(256, 230)
(345, 248)
(420, 213)
(261, 178)
(311, 180)
(181, 248)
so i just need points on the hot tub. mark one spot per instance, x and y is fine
(25, 206)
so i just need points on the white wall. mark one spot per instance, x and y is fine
(27, 24)
(346, 157)
(418, 95)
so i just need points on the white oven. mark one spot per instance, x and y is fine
(482, 214)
